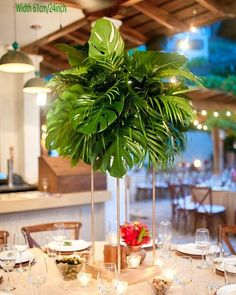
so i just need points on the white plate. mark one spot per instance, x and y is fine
(77, 245)
(189, 249)
(3, 293)
(148, 245)
(227, 290)
(25, 257)
(221, 266)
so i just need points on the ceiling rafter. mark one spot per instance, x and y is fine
(217, 8)
(133, 35)
(56, 35)
(161, 16)
(74, 39)
(51, 48)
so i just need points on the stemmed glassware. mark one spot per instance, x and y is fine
(183, 271)
(20, 245)
(107, 279)
(38, 273)
(202, 243)
(214, 258)
(165, 235)
(7, 262)
(60, 236)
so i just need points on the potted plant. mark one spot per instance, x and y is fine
(114, 110)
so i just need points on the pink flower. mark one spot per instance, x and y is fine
(135, 234)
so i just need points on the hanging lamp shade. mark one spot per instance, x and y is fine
(36, 85)
(15, 61)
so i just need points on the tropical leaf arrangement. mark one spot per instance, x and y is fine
(114, 110)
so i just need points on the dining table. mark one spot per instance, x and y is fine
(56, 285)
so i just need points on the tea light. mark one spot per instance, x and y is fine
(84, 279)
(121, 288)
(168, 274)
(133, 261)
(158, 262)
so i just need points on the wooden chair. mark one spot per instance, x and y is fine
(205, 209)
(224, 230)
(181, 203)
(68, 225)
(3, 237)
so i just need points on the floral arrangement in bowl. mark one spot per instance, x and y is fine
(135, 234)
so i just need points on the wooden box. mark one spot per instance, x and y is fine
(62, 178)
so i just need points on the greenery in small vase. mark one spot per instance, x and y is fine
(114, 110)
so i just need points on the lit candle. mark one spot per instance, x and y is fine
(158, 262)
(121, 288)
(84, 279)
(133, 261)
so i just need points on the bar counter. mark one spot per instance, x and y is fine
(28, 208)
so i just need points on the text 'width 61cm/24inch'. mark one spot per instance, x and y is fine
(40, 8)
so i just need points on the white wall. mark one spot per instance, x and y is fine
(19, 125)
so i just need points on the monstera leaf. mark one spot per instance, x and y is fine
(105, 39)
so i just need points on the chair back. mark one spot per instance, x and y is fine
(67, 225)
(3, 237)
(202, 196)
(224, 231)
(177, 192)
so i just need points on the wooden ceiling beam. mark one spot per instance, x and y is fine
(75, 39)
(69, 3)
(57, 66)
(133, 35)
(54, 50)
(55, 35)
(161, 16)
(217, 8)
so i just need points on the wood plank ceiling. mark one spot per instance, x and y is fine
(142, 21)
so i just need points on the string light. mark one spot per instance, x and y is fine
(204, 113)
(193, 28)
(205, 128)
(199, 126)
(195, 122)
(216, 114)
(197, 163)
(228, 113)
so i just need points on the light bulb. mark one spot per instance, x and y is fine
(205, 128)
(41, 99)
(204, 113)
(195, 122)
(228, 113)
(197, 163)
(216, 114)
(199, 126)
(183, 44)
(193, 29)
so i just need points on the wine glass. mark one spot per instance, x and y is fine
(202, 243)
(107, 279)
(38, 272)
(60, 236)
(183, 274)
(20, 245)
(7, 262)
(165, 236)
(214, 258)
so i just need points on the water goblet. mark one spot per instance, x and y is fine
(214, 258)
(183, 274)
(165, 236)
(38, 272)
(202, 243)
(59, 236)
(20, 244)
(7, 262)
(107, 279)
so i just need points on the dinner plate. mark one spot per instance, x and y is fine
(227, 290)
(76, 245)
(221, 266)
(25, 257)
(189, 249)
(148, 245)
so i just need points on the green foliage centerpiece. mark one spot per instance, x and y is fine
(114, 110)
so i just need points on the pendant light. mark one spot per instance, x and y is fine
(15, 61)
(36, 85)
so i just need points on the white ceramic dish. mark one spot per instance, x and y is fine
(76, 245)
(189, 249)
(221, 266)
(227, 290)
